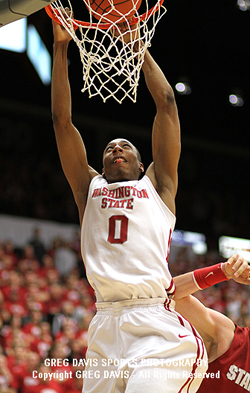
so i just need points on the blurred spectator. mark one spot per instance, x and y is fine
(233, 303)
(59, 353)
(8, 259)
(37, 297)
(65, 258)
(67, 335)
(27, 381)
(38, 246)
(53, 277)
(73, 285)
(47, 266)
(29, 260)
(17, 361)
(13, 284)
(44, 383)
(75, 385)
(31, 325)
(10, 251)
(6, 378)
(14, 305)
(9, 329)
(66, 315)
(57, 296)
(43, 343)
(78, 350)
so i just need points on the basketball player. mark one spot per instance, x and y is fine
(126, 233)
(228, 345)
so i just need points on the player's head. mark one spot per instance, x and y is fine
(121, 161)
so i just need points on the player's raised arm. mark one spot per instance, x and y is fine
(69, 141)
(165, 134)
(235, 268)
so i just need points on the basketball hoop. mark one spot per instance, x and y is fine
(112, 48)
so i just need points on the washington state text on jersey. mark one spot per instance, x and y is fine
(114, 198)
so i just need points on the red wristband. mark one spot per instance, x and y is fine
(208, 276)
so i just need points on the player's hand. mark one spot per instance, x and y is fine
(237, 269)
(128, 33)
(61, 35)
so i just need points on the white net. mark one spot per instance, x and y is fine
(111, 52)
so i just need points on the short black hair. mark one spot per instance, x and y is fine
(124, 139)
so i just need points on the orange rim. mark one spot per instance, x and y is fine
(53, 14)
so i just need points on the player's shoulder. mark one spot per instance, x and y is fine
(242, 334)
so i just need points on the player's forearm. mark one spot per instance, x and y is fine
(184, 285)
(60, 88)
(189, 283)
(157, 83)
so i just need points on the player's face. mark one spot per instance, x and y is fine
(121, 162)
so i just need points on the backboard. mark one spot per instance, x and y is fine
(11, 10)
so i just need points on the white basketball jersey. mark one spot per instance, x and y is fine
(125, 240)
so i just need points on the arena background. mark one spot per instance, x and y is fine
(208, 44)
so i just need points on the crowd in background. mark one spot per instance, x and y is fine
(47, 304)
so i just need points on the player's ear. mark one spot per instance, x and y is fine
(141, 167)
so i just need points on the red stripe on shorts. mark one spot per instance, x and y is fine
(166, 304)
(171, 287)
(200, 356)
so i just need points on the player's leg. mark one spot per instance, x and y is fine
(101, 373)
(170, 355)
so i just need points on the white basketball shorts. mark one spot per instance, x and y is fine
(143, 346)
